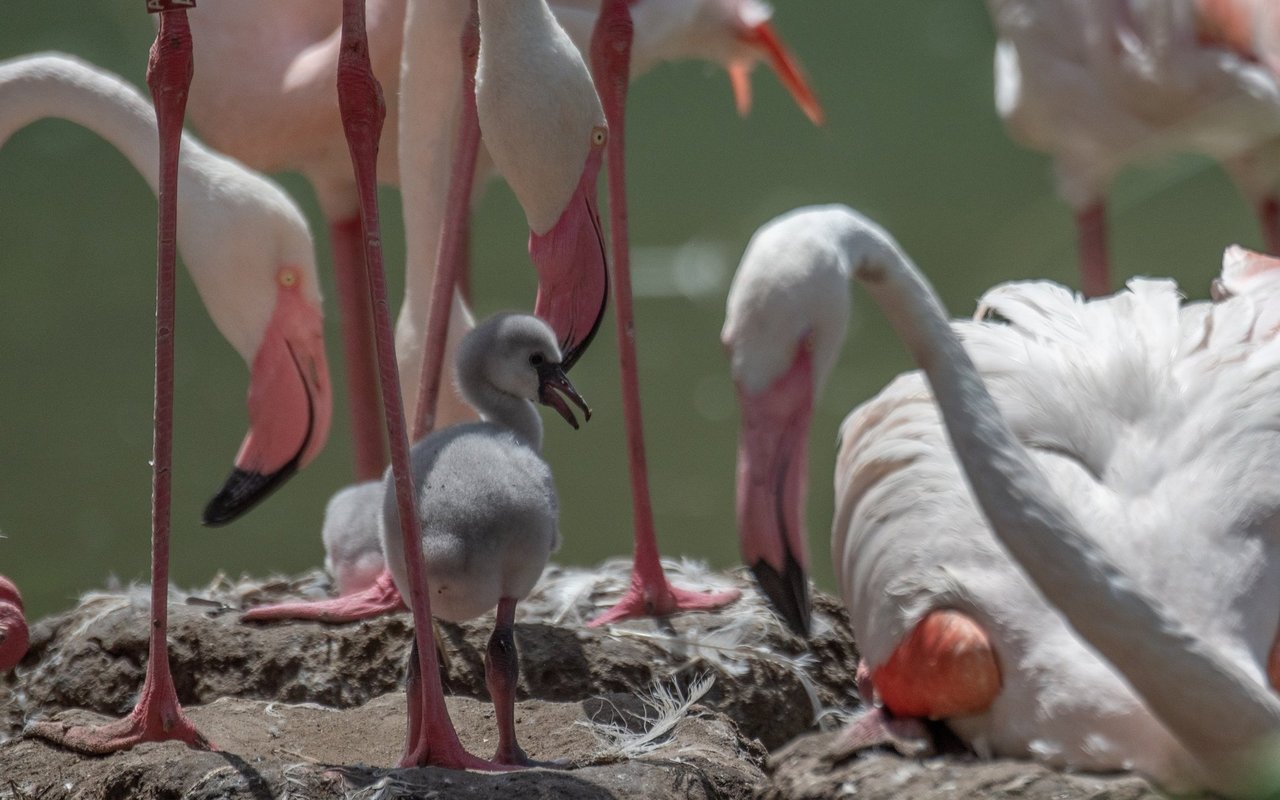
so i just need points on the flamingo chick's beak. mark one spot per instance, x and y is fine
(573, 277)
(773, 474)
(552, 382)
(290, 405)
(766, 44)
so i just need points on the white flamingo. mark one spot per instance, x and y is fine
(1102, 84)
(1033, 629)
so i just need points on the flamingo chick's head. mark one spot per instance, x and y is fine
(13, 625)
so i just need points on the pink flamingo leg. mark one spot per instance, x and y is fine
(451, 254)
(157, 716)
(433, 741)
(1269, 217)
(357, 346)
(1095, 269)
(650, 593)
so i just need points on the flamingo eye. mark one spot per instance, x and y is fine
(599, 135)
(288, 277)
(536, 359)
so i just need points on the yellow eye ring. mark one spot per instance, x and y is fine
(599, 135)
(288, 277)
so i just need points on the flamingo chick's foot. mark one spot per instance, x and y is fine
(157, 724)
(379, 599)
(658, 598)
(944, 667)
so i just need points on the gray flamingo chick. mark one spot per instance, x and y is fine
(486, 502)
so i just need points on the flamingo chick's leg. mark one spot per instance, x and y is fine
(158, 715)
(650, 593)
(356, 311)
(501, 673)
(1095, 267)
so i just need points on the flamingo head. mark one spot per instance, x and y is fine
(13, 625)
(573, 276)
(772, 484)
(751, 39)
(290, 401)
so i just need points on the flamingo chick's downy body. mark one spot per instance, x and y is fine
(13, 625)
(486, 501)
(1155, 423)
(247, 248)
(1102, 84)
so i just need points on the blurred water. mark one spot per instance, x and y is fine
(912, 139)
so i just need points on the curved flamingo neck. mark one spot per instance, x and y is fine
(65, 88)
(1231, 722)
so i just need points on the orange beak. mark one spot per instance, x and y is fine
(764, 39)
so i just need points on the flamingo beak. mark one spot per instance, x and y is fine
(290, 408)
(573, 276)
(552, 383)
(764, 40)
(773, 454)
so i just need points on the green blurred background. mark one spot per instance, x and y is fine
(912, 139)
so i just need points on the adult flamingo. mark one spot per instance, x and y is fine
(250, 255)
(267, 97)
(1101, 85)
(13, 626)
(1045, 636)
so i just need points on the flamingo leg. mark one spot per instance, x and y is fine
(433, 740)
(1095, 267)
(501, 673)
(357, 347)
(1269, 216)
(451, 255)
(650, 594)
(158, 715)
(945, 667)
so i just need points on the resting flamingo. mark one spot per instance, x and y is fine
(1069, 635)
(13, 625)
(1101, 85)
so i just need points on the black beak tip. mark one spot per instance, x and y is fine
(242, 491)
(788, 593)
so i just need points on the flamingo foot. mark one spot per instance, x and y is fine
(157, 718)
(379, 599)
(878, 727)
(657, 598)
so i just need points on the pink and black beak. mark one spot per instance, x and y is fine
(554, 387)
(766, 44)
(290, 406)
(573, 273)
(773, 474)
(14, 637)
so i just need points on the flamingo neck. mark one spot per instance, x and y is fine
(1231, 718)
(58, 86)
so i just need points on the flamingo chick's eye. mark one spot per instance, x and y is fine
(536, 359)
(599, 135)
